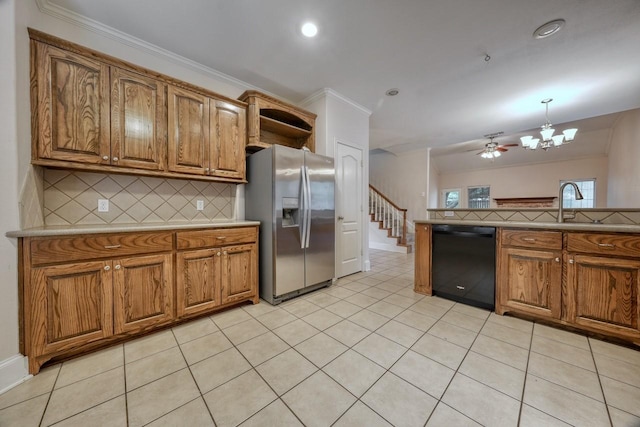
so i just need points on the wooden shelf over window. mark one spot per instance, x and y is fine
(525, 202)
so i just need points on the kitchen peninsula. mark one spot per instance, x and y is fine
(584, 273)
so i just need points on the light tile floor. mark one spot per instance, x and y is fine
(365, 352)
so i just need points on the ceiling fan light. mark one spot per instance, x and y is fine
(557, 140)
(569, 134)
(547, 133)
(534, 143)
(496, 154)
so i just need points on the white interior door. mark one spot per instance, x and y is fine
(348, 210)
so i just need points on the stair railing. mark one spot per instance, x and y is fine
(393, 218)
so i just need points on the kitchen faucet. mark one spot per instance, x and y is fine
(561, 198)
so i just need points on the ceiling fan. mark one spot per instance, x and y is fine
(492, 149)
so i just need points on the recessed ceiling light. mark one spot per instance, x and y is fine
(392, 92)
(309, 29)
(548, 29)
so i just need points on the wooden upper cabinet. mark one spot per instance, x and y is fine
(188, 132)
(93, 112)
(138, 121)
(142, 292)
(72, 121)
(228, 139)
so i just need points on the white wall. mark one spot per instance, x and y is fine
(624, 155)
(12, 367)
(539, 180)
(433, 183)
(403, 178)
(342, 120)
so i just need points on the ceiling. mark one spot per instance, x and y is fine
(433, 51)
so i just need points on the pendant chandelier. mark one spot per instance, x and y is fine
(548, 138)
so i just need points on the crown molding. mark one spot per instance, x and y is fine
(106, 31)
(326, 92)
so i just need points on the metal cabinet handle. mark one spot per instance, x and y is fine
(105, 157)
(206, 170)
(115, 159)
(225, 252)
(221, 237)
(607, 245)
(218, 254)
(557, 259)
(460, 287)
(571, 261)
(117, 267)
(528, 239)
(112, 246)
(340, 218)
(107, 268)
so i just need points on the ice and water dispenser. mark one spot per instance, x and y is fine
(290, 212)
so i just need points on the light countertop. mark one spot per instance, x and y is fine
(567, 226)
(123, 228)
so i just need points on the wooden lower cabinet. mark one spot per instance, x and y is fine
(602, 294)
(422, 282)
(529, 281)
(239, 273)
(198, 281)
(69, 305)
(142, 292)
(81, 292)
(221, 275)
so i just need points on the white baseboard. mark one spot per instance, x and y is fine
(367, 265)
(388, 247)
(13, 371)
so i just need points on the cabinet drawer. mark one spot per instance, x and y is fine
(47, 250)
(532, 239)
(215, 237)
(605, 244)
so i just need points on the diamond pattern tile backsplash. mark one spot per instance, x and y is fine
(72, 198)
(604, 216)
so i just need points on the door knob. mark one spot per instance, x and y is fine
(340, 218)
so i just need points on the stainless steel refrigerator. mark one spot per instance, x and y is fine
(291, 193)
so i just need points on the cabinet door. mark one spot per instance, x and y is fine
(138, 121)
(228, 140)
(198, 281)
(602, 294)
(530, 281)
(423, 259)
(188, 132)
(73, 106)
(143, 292)
(239, 273)
(71, 305)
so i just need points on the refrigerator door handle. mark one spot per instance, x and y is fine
(307, 207)
(303, 207)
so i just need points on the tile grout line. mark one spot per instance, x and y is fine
(604, 397)
(458, 368)
(53, 387)
(526, 374)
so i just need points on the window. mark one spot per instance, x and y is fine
(450, 198)
(478, 197)
(587, 188)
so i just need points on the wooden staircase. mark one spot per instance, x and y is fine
(390, 218)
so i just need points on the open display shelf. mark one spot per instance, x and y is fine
(271, 121)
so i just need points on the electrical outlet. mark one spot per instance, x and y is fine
(200, 205)
(103, 205)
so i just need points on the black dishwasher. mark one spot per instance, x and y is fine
(463, 264)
